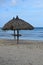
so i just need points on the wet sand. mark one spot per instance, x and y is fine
(24, 53)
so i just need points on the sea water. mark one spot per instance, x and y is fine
(35, 34)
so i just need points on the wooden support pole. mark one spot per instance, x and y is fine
(14, 35)
(17, 36)
(17, 32)
(14, 32)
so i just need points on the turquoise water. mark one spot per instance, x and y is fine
(36, 34)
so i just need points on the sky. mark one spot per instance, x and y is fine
(29, 10)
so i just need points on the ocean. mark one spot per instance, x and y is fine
(35, 34)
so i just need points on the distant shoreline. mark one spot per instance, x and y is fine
(13, 42)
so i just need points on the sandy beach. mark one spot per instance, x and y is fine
(24, 53)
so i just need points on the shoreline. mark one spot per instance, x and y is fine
(14, 42)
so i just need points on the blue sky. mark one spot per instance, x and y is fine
(28, 10)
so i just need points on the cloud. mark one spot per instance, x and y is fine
(13, 2)
(37, 3)
(32, 3)
(8, 2)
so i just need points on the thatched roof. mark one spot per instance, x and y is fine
(9, 25)
(17, 24)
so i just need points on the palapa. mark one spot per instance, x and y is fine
(17, 24)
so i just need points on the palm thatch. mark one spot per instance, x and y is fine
(17, 24)
(9, 25)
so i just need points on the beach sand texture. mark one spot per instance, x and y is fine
(24, 53)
